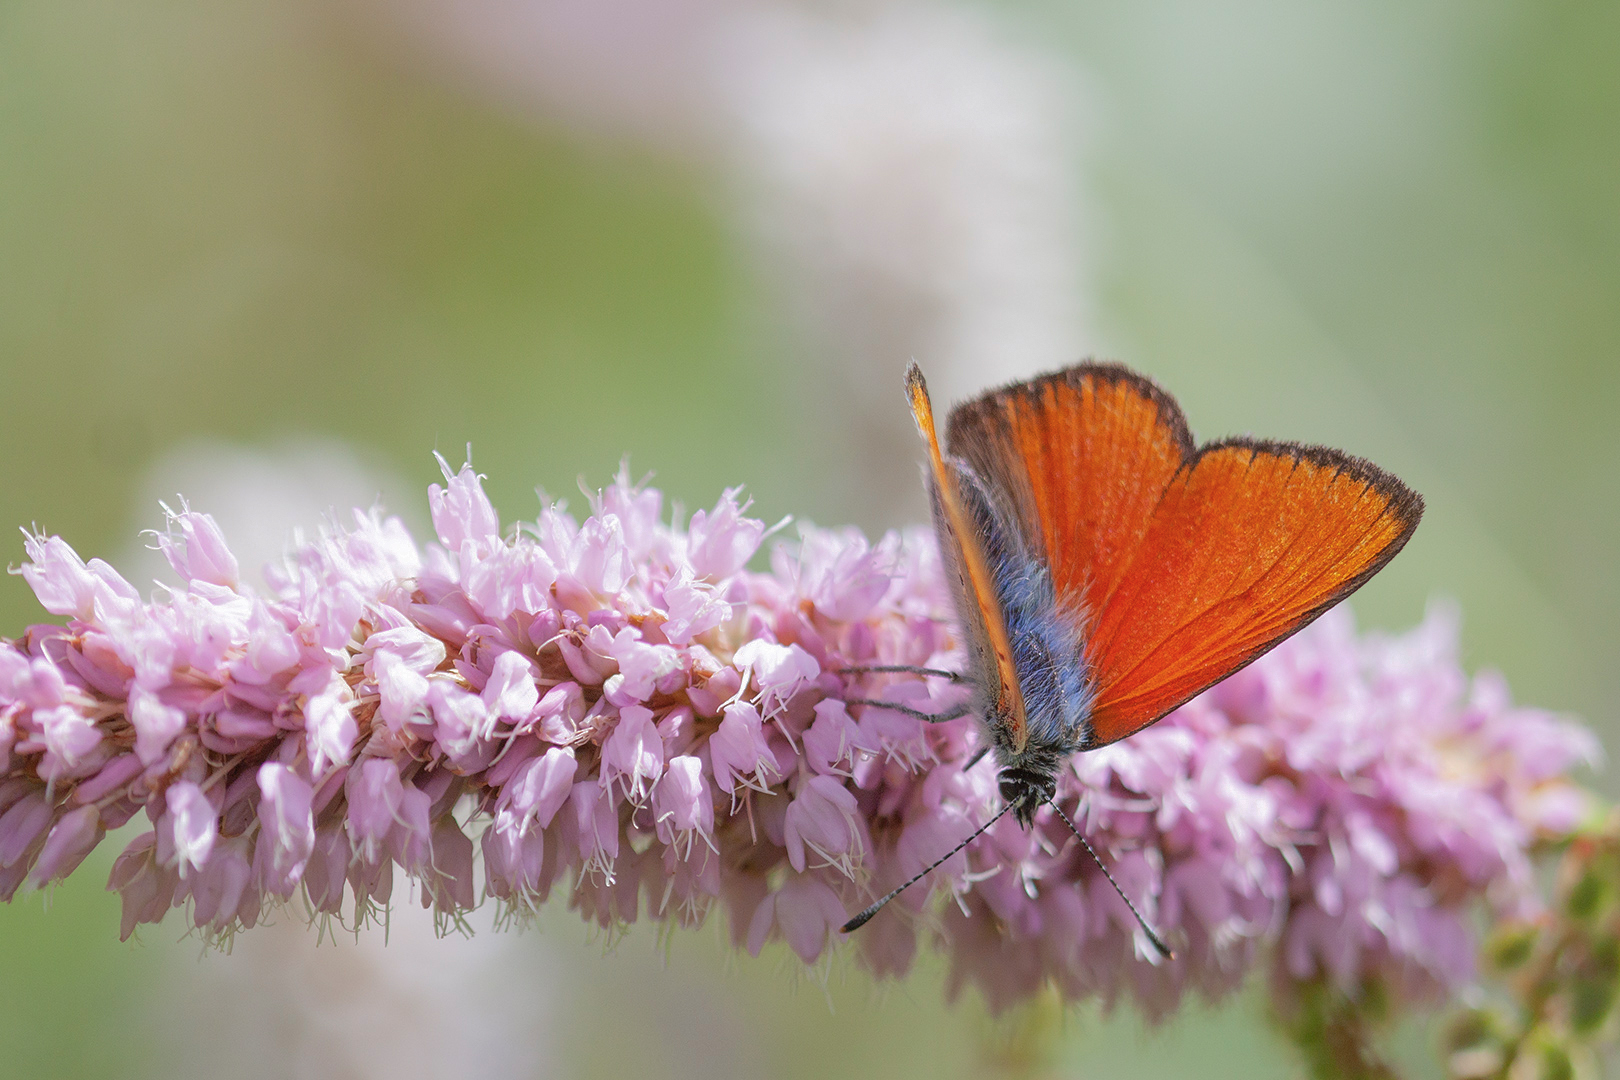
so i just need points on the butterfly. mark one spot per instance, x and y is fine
(1106, 569)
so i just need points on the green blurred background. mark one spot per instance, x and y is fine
(1389, 227)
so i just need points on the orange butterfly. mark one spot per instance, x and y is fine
(1106, 569)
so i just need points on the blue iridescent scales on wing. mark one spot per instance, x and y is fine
(1045, 639)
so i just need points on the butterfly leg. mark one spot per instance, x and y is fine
(908, 669)
(978, 756)
(955, 712)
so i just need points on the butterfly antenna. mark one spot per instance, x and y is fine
(1158, 943)
(861, 920)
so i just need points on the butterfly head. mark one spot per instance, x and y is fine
(1025, 789)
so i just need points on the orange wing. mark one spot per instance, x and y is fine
(1184, 564)
(981, 619)
(1085, 456)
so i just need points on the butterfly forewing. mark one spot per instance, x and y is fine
(962, 549)
(1249, 544)
(1085, 454)
(1181, 565)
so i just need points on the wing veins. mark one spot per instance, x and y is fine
(1272, 625)
(1227, 599)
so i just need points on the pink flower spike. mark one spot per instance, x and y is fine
(622, 708)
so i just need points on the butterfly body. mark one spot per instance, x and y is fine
(1045, 646)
